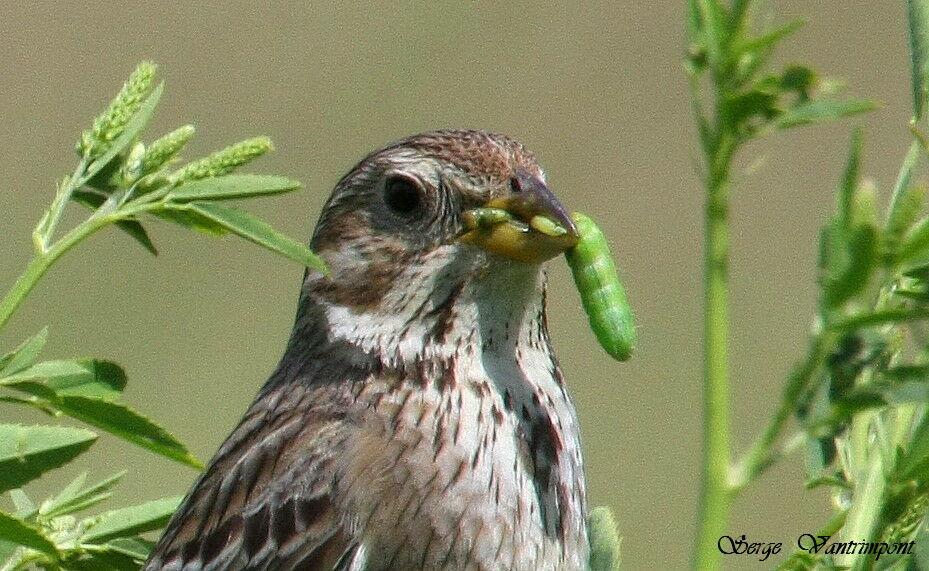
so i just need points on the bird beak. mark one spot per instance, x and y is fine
(528, 224)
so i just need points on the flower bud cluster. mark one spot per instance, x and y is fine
(225, 160)
(111, 123)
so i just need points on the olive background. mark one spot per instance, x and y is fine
(597, 90)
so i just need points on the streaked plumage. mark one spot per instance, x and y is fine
(418, 418)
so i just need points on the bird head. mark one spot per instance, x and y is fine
(407, 248)
(419, 369)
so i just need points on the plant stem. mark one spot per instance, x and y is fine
(24, 284)
(62, 196)
(43, 260)
(715, 497)
(864, 515)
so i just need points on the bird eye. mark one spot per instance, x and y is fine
(402, 195)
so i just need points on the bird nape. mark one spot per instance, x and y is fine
(418, 418)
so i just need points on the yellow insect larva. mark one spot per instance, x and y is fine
(546, 226)
(485, 217)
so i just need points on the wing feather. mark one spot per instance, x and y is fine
(267, 499)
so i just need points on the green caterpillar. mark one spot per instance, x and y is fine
(591, 263)
(602, 293)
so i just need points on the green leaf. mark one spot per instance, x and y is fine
(695, 62)
(24, 355)
(852, 403)
(44, 370)
(902, 373)
(820, 456)
(849, 244)
(751, 55)
(84, 389)
(849, 274)
(752, 109)
(252, 228)
(7, 549)
(129, 134)
(84, 377)
(37, 403)
(737, 18)
(879, 318)
(17, 531)
(850, 182)
(26, 452)
(121, 554)
(710, 30)
(901, 221)
(906, 202)
(863, 247)
(863, 209)
(831, 249)
(45, 395)
(831, 481)
(132, 520)
(902, 393)
(92, 199)
(604, 540)
(23, 504)
(74, 497)
(191, 220)
(876, 395)
(918, 19)
(799, 79)
(98, 378)
(817, 111)
(134, 547)
(108, 180)
(766, 41)
(102, 559)
(134, 228)
(915, 459)
(914, 250)
(231, 186)
(126, 423)
(69, 491)
(921, 538)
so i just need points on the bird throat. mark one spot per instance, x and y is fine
(467, 348)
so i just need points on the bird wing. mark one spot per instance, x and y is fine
(267, 499)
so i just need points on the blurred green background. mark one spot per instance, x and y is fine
(597, 90)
